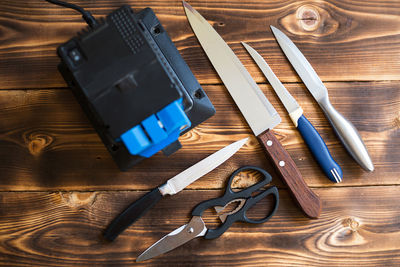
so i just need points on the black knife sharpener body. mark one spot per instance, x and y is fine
(133, 85)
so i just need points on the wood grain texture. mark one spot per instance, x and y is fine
(343, 40)
(46, 142)
(59, 188)
(358, 226)
(287, 170)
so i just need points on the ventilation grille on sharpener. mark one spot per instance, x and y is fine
(126, 27)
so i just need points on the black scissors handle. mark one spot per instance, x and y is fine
(230, 195)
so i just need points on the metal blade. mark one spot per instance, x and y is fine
(301, 65)
(287, 99)
(253, 104)
(176, 238)
(188, 176)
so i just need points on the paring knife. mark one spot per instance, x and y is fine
(310, 135)
(258, 112)
(171, 187)
(344, 129)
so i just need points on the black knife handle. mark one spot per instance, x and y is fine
(136, 210)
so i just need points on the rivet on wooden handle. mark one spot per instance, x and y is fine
(308, 201)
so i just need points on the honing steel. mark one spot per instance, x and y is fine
(344, 129)
(196, 226)
(171, 187)
(310, 135)
(256, 109)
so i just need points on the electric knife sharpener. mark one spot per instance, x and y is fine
(133, 85)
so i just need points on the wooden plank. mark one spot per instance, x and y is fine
(344, 40)
(46, 142)
(357, 226)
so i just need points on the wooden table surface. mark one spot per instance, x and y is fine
(60, 188)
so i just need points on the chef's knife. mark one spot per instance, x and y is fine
(258, 112)
(171, 187)
(310, 135)
(344, 129)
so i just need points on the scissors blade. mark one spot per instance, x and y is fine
(176, 238)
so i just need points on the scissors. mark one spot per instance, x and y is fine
(196, 226)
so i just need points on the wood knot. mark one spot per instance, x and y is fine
(351, 223)
(309, 17)
(245, 179)
(397, 120)
(311, 20)
(78, 199)
(37, 142)
(348, 234)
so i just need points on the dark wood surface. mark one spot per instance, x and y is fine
(59, 188)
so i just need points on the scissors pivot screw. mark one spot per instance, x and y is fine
(190, 230)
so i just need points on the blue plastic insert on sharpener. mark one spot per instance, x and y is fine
(157, 131)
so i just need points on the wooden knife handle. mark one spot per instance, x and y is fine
(308, 201)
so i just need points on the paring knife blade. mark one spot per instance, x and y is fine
(310, 135)
(171, 187)
(201, 168)
(256, 109)
(344, 129)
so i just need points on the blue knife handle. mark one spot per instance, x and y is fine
(319, 150)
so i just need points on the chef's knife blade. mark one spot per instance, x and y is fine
(310, 135)
(256, 109)
(171, 187)
(344, 129)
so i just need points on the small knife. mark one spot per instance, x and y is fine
(171, 187)
(310, 135)
(255, 107)
(344, 129)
